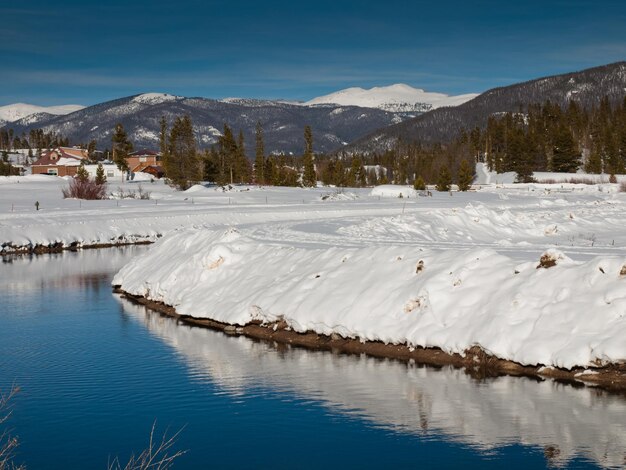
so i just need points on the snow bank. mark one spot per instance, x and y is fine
(568, 315)
(391, 190)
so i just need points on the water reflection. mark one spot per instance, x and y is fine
(66, 270)
(565, 421)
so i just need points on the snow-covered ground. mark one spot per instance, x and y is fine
(451, 270)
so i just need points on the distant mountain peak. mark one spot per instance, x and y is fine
(155, 98)
(398, 97)
(16, 111)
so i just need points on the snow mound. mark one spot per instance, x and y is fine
(391, 190)
(569, 315)
(339, 196)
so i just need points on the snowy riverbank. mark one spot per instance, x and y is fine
(568, 315)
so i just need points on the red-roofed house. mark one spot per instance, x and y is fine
(60, 161)
(141, 159)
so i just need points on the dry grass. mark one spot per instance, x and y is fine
(8, 443)
(159, 455)
(579, 180)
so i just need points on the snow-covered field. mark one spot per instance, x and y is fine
(451, 270)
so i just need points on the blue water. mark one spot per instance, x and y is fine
(96, 372)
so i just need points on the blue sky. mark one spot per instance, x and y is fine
(85, 52)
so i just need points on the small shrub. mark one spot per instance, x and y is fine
(142, 194)
(581, 181)
(612, 179)
(130, 194)
(419, 184)
(622, 187)
(85, 189)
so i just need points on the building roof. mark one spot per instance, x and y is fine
(143, 153)
(62, 156)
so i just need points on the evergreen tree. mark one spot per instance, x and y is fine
(228, 155)
(163, 136)
(182, 164)
(444, 180)
(309, 178)
(466, 176)
(419, 184)
(242, 165)
(210, 161)
(91, 150)
(101, 178)
(565, 155)
(81, 173)
(259, 159)
(121, 147)
(520, 156)
(594, 162)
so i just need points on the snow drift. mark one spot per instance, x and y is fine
(570, 314)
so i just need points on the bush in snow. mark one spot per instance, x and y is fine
(84, 188)
(419, 184)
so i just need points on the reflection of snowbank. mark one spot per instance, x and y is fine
(30, 273)
(409, 399)
(571, 314)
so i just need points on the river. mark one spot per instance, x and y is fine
(96, 372)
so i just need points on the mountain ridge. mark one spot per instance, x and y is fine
(587, 87)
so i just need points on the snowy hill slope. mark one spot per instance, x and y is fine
(18, 111)
(586, 87)
(398, 98)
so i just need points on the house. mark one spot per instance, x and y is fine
(111, 171)
(154, 170)
(141, 159)
(60, 161)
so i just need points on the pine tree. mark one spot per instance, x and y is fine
(259, 160)
(91, 150)
(309, 178)
(121, 147)
(163, 136)
(565, 155)
(242, 166)
(81, 173)
(101, 178)
(419, 184)
(182, 164)
(594, 162)
(466, 176)
(444, 180)
(228, 154)
(520, 156)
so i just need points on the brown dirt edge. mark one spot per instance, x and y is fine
(476, 362)
(11, 250)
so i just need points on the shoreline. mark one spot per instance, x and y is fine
(58, 247)
(476, 362)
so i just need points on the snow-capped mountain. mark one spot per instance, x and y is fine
(586, 87)
(398, 98)
(18, 111)
(283, 123)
